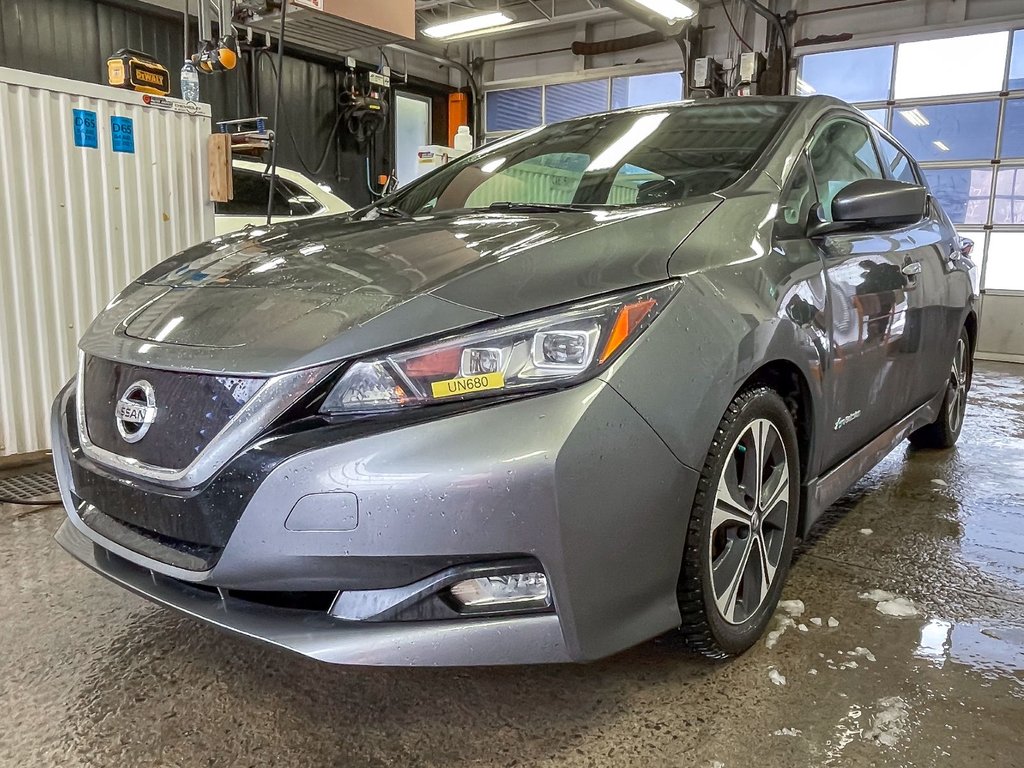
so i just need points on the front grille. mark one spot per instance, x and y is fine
(192, 408)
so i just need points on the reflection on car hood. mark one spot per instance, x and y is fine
(280, 298)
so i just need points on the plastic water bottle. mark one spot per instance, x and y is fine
(190, 82)
(463, 138)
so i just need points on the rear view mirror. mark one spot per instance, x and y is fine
(874, 203)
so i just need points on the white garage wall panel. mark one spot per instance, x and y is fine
(78, 223)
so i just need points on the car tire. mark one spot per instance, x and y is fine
(723, 601)
(945, 430)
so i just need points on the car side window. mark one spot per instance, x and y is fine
(897, 163)
(250, 196)
(795, 203)
(300, 202)
(841, 153)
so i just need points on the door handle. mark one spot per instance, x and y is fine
(912, 268)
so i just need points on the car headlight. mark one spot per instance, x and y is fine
(562, 347)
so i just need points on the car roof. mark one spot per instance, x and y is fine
(814, 103)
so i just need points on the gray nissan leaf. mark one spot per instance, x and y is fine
(579, 388)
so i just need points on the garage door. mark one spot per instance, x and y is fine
(509, 110)
(957, 103)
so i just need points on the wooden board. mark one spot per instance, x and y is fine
(219, 167)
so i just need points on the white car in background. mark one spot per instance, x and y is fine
(296, 196)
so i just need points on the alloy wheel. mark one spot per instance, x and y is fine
(748, 525)
(957, 399)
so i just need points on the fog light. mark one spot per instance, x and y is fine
(518, 590)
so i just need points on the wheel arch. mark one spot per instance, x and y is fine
(789, 381)
(971, 324)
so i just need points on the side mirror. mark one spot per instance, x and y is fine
(871, 203)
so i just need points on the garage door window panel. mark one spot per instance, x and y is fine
(1013, 129)
(842, 152)
(963, 192)
(948, 132)
(514, 109)
(1009, 203)
(564, 101)
(1016, 81)
(642, 90)
(951, 66)
(1004, 267)
(862, 74)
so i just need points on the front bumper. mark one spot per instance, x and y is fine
(574, 480)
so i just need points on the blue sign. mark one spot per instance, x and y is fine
(85, 128)
(122, 134)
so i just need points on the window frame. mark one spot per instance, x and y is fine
(815, 132)
(915, 169)
(804, 160)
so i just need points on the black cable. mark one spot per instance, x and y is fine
(185, 33)
(22, 503)
(291, 135)
(735, 31)
(776, 21)
(277, 110)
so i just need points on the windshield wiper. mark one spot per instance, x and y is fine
(541, 207)
(388, 212)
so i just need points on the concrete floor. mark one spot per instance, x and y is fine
(92, 676)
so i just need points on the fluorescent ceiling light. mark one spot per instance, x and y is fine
(914, 117)
(486, 21)
(940, 146)
(618, 149)
(672, 10)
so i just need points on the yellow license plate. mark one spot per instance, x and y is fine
(467, 385)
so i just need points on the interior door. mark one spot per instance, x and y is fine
(412, 131)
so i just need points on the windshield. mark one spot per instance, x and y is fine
(621, 159)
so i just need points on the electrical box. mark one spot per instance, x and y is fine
(704, 72)
(752, 64)
(706, 75)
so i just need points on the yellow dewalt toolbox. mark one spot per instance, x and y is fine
(138, 71)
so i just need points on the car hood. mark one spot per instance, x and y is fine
(274, 299)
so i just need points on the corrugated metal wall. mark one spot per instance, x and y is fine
(77, 224)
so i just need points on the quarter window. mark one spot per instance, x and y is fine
(897, 163)
(795, 204)
(841, 154)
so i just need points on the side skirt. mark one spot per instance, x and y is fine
(821, 492)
